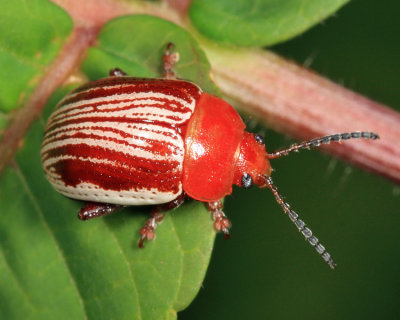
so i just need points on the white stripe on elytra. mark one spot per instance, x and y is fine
(145, 132)
(130, 128)
(51, 172)
(110, 106)
(92, 192)
(149, 113)
(126, 96)
(112, 146)
(140, 141)
(119, 86)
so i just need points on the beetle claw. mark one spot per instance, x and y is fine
(226, 233)
(140, 244)
(147, 232)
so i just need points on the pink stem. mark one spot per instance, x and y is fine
(180, 6)
(302, 104)
(57, 72)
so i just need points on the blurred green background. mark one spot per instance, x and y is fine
(266, 270)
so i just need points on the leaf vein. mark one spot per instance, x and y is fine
(129, 267)
(18, 282)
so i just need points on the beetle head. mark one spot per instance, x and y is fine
(252, 163)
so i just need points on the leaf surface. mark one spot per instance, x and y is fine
(261, 22)
(32, 35)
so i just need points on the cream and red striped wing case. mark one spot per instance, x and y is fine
(126, 128)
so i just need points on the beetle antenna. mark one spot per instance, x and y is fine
(300, 224)
(323, 140)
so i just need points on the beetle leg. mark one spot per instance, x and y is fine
(221, 222)
(169, 59)
(117, 72)
(93, 210)
(148, 231)
(156, 216)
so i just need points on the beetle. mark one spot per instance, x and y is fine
(122, 141)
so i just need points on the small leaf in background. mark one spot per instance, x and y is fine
(32, 35)
(139, 47)
(258, 23)
(53, 266)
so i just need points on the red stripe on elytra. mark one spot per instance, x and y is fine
(162, 148)
(116, 120)
(140, 82)
(124, 85)
(161, 103)
(49, 135)
(128, 173)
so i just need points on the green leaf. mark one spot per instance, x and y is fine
(139, 47)
(258, 23)
(32, 35)
(53, 266)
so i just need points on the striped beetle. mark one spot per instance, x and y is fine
(122, 141)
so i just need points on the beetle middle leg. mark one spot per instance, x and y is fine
(156, 216)
(221, 222)
(169, 59)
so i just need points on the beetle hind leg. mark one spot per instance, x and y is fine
(147, 232)
(169, 59)
(221, 222)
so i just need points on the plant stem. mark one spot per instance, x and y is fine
(304, 105)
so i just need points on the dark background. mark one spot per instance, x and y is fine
(266, 270)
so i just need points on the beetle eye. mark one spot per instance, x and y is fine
(247, 181)
(259, 138)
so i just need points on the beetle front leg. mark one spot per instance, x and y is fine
(169, 59)
(221, 222)
(156, 216)
(93, 210)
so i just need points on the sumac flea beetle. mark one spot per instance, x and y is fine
(122, 141)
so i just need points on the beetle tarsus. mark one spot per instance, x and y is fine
(221, 222)
(169, 59)
(140, 245)
(226, 234)
(148, 232)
